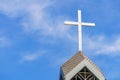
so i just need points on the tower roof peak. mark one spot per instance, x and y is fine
(76, 63)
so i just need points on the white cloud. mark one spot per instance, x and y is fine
(103, 45)
(31, 56)
(4, 42)
(16, 7)
(35, 17)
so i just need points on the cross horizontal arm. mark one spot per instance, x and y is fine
(88, 24)
(71, 23)
(76, 23)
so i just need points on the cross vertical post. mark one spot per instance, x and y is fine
(79, 31)
(79, 24)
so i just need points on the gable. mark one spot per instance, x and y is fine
(85, 74)
(75, 64)
(85, 63)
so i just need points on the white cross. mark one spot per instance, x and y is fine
(79, 24)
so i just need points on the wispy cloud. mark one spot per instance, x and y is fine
(35, 17)
(4, 42)
(103, 45)
(18, 7)
(31, 56)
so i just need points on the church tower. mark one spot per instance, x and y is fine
(79, 66)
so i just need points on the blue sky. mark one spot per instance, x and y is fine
(34, 42)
